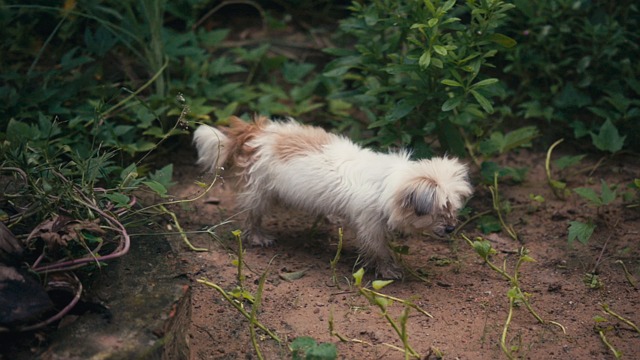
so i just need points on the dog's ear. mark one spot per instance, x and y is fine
(420, 196)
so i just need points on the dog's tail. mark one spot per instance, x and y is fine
(214, 147)
(217, 148)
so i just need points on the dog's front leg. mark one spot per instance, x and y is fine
(254, 234)
(374, 249)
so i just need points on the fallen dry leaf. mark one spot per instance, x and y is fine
(62, 229)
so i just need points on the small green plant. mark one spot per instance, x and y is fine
(582, 231)
(238, 295)
(383, 302)
(306, 348)
(592, 281)
(515, 295)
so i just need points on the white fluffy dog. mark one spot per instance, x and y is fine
(307, 168)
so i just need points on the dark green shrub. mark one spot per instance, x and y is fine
(576, 67)
(421, 69)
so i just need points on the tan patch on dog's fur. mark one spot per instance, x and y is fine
(301, 141)
(241, 132)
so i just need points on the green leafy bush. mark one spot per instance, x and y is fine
(421, 69)
(128, 62)
(575, 66)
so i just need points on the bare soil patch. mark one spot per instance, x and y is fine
(467, 299)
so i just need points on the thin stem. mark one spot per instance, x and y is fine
(142, 88)
(627, 274)
(503, 337)
(606, 309)
(547, 167)
(336, 258)
(496, 206)
(370, 292)
(183, 235)
(254, 311)
(615, 352)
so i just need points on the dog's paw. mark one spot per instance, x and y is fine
(391, 271)
(258, 238)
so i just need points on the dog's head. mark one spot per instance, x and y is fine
(431, 195)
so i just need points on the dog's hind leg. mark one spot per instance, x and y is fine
(255, 207)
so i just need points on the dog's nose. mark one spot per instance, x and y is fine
(449, 229)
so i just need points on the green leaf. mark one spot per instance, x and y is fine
(157, 187)
(381, 302)
(608, 138)
(589, 194)
(120, 200)
(242, 294)
(425, 60)
(489, 224)
(439, 49)
(483, 101)
(163, 176)
(129, 176)
(447, 6)
(379, 284)
(358, 276)
(500, 143)
(437, 63)
(291, 276)
(401, 109)
(450, 82)
(324, 351)
(570, 97)
(303, 342)
(101, 42)
(581, 231)
(92, 239)
(483, 248)
(306, 348)
(566, 161)
(489, 168)
(485, 82)
(502, 40)
(20, 132)
(599, 319)
(452, 103)
(294, 73)
(518, 138)
(513, 293)
(558, 184)
(536, 198)
(608, 195)
(212, 38)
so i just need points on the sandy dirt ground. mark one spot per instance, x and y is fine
(467, 300)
